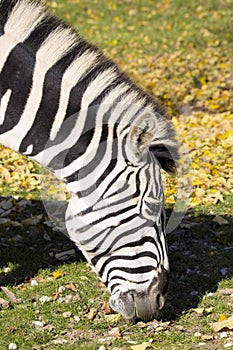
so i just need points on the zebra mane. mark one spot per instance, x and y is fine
(27, 22)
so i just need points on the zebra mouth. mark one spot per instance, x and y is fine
(145, 305)
(147, 308)
(138, 306)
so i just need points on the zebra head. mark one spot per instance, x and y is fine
(119, 224)
(109, 157)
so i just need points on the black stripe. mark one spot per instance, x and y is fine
(113, 181)
(122, 188)
(92, 238)
(1, 30)
(67, 156)
(95, 162)
(130, 270)
(15, 75)
(78, 90)
(38, 135)
(35, 39)
(138, 243)
(120, 191)
(108, 216)
(162, 220)
(126, 258)
(119, 79)
(159, 243)
(74, 152)
(145, 191)
(115, 285)
(100, 243)
(123, 200)
(90, 167)
(6, 8)
(92, 209)
(129, 232)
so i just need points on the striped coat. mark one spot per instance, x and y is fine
(66, 106)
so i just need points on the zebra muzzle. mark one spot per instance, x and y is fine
(147, 307)
(138, 306)
(144, 304)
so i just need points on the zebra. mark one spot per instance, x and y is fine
(71, 109)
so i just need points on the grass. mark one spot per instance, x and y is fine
(133, 33)
(150, 27)
(222, 207)
(200, 252)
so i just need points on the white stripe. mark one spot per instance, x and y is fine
(21, 22)
(28, 150)
(94, 89)
(3, 105)
(90, 153)
(48, 54)
(92, 177)
(24, 17)
(92, 148)
(164, 133)
(75, 225)
(114, 202)
(117, 264)
(70, 78)
(132, 277)
(133, 102)
(96, 86)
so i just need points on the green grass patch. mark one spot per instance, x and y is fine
(54, 313)
(150, 27)
(180, 51)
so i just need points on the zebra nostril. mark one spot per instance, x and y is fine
(132, 295)
(160, 300)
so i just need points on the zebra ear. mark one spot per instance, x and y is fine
(167, 155)
(141, 134)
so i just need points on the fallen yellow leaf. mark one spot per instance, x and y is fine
(106, 308)
(92, 314)
(115, 332)
(226, 324)
(71, 286)
(57, 274)
(55, 296)
(222, 317)
(142, 346)
(207, 337)
(227, 134)
(202, 310)
(11, 296)
(112, 318)
(198, 310)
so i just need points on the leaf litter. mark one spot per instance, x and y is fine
(198, 82)
(223, 324)
(196, 88)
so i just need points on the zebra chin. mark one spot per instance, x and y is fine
(145, 305)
